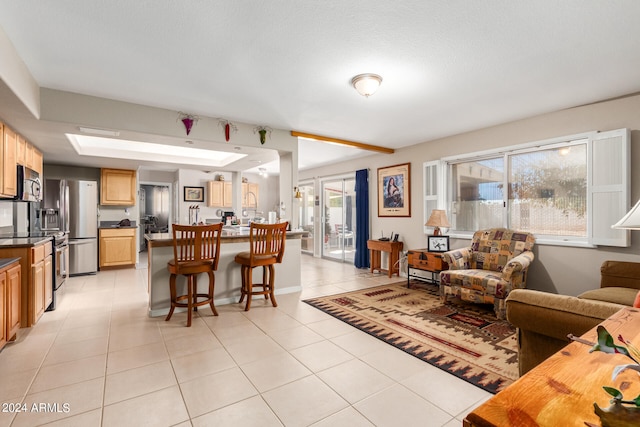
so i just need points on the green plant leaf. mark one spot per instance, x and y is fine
(613, 392)
(606, 343)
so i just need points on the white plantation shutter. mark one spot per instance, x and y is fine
(433, 187)
(608, 186)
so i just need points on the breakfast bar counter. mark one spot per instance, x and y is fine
(228, 280)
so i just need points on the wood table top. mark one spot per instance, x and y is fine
(562, 390)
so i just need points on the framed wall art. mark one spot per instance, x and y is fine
(394, 190)
(194, 194)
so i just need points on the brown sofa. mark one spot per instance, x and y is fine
(544, 320)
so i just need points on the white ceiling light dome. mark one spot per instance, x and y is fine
(366, 84)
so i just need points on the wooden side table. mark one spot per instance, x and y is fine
(376, 247)
(422, 259)
(561, 390)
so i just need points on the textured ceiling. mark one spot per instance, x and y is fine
(448, 66)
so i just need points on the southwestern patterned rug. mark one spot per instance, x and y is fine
(461, 338)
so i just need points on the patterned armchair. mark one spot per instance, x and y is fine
(487, 271)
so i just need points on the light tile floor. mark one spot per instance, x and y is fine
(99, 360)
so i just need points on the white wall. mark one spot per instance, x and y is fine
(556, 269)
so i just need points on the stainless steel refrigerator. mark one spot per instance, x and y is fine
(83, 227)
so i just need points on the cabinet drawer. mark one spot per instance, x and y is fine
(39, 252)
(426, 261)
(117, 232)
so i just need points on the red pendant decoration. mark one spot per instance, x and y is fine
(228, 127)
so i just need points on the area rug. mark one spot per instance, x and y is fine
(463, 339)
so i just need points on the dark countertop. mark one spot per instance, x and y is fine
(15, 242)
(114, 224)
(7, 261)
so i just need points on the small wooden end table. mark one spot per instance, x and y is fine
(376, 247)
(422, 259)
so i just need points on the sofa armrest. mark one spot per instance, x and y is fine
(556, 315)
(517, 265)
(458, 259)
(620, 274)
(544, 320)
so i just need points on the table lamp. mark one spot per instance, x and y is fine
(438, 219)
(631, 221)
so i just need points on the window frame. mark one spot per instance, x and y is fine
(619, 238)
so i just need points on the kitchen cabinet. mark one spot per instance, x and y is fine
(220, 194)
(117, 247)
(13, 283)
(28, 156)
(117, 187)
(8, 187)
(35, 282)
(42, 279)
(9, 302)
(250, 189)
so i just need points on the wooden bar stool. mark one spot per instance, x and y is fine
(195, 251)
(266, 248)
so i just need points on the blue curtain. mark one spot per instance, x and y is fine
(362, 218)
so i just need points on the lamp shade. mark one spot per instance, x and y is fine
(438, 218)
(631, 221)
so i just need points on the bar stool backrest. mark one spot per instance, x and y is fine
(267, 240)
(197, 243)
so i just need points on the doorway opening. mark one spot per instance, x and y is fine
(155, 210)
(339, 219)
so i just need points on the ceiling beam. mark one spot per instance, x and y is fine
(359, 145)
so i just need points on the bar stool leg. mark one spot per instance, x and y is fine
(249, 288)
(212, 283)
(272, 280)
(172, 289)
(189, 299)
(264, 281)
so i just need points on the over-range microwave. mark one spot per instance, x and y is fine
(29, 187)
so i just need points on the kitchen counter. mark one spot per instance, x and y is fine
(23, 242)
(115, 224)
(228, 279)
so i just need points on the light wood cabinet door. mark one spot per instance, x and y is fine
(215, 197)
(37, 283)
(9, 175)
(21, 151)
(228, 195)
(117, 247)
(28, 155)
(117, 187)
(48, 281)
(3, 310)
(14, 279)
(37, 161)
(249, 190)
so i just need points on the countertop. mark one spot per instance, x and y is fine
(114, 224)
(7, 261)
(15, 242)
(230, 236)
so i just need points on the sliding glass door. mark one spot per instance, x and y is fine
(339, 219)
(306, 216)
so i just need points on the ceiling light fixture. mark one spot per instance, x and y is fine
(366, 84)
(263, 172)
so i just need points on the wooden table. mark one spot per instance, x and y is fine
(561, 391)
(376, 247)
(422, 259)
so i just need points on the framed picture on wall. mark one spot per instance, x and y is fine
(394, 190)
(194, 194)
